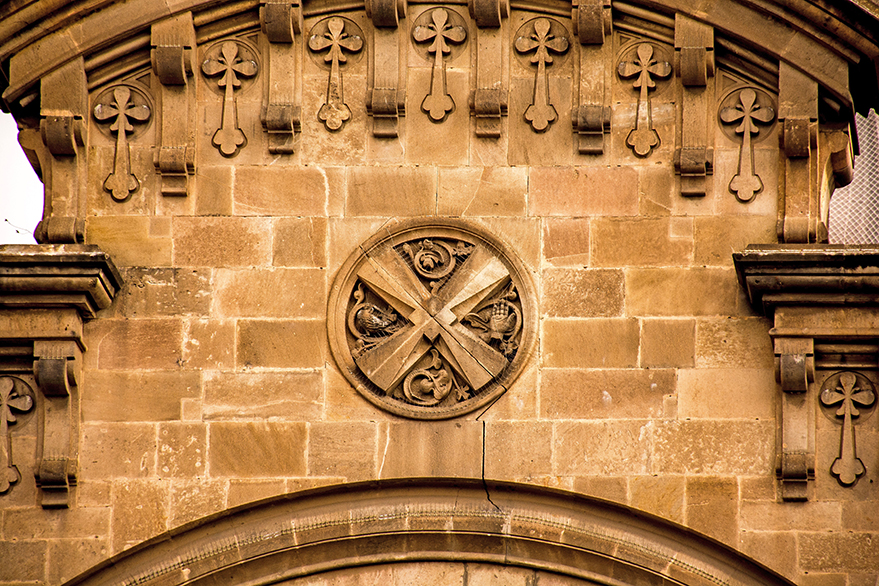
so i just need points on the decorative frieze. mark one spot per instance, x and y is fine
(232, 65)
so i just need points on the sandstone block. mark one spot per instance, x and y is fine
(287, 395)
(69, 557)
(23, 561)
(256, 449)
(429, 143)
(731, 342)
(281, 343)
(388, 191)
(660, 495)
(727, 393)
(758, 488)
(590, 343)
(117, 450)
(137, 396)
(668, 343)
(604, 394)
(209, 344)
(482, 191)
(684, 292)
(182, 450)
(347, 145)
(827, 440)
(519, 401)
(248, 491)
(814, 579)
(442, 448)
(714, 447)
(137, 343)
(38, 523)
(566, 241)
(583, 191)
(281, 191)
(222, 242)
(777, 550)
(838, 552)
(213, 191)
(657, 191)
(287, 293)
(517, 450)
(139, 511)
(795, 516)
(554, 146)
(602, 447)
(861, 516)
(130, 240)
(612, 488)
(522, 235)
(342, 449)
(300, 242)
(582, 293)
(195, 499)
(713, 508)
(346, 235)
(150, 292)
(641, 242)
(718, 237)
(344, 403)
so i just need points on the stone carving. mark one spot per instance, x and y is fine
(488, 99)
(748, 109)
(438, 28)
(336, 36)
(282, 24)
(16, 397)
(542, 37)
(229, 61)
(386, 88)
(645, 68)
(432, 320)
(121, 108)
(842, 394)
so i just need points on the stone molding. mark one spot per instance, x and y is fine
(424, 520)
(46, 291)
(824, 303)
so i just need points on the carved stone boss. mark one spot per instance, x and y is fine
(431, 320)
(542, 37)
(229, 62)
(441, 28)
(121, 110)
(643, 63)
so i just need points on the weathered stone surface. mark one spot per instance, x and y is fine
(23, 561)
(642, 242)
(586, 191)
(713, 508)
(604, 394)
(137, 396)
(31, 523)
(69, 557)
(667, 343)
(139, 511)
(182, 450)
(442, 448)
(247, 491)
(605, 487)
(714, 447)
(287, 190)
(861, 516)
(838, 552)
(254, 395)
(798, 516)
(300, 242)
(681, 292)
(423, 135)
(607, 447)
(718, 237)
(286, 293)
(391, 191)
(130, 344)
(132, 241)
(117, 450)
(583, 343)
(149, 292)
(517, 450)
(281, 343)
(256, 449)
(214, 195)
(566, 241)
(222, 242)
(727, 393)
(757, 488)
(482, 191)
(208, 344)
(195, 499)
(582, 293)
(660, 495)
(777, 550)
(732, 342)
(342, 449)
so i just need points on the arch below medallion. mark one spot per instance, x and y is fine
(429, 520)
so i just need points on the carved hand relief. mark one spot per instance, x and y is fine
(338, 37)
(645, 63)
(16, 398)
(841, 396)
(431, 320)
(542, 37)
(230, 63)
(744, 111)
(441, 28)
(122, 110)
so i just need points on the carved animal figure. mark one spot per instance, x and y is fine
(372, 321)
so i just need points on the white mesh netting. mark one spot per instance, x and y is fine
(854, 209)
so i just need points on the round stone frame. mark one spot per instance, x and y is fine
(496, 257)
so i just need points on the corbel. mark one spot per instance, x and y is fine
(798, 117)
(63, 129)
(386, 93)
(280, 23)
(795, 434)
(694, 155)
(488, 101)
(172, 56)
(46, 292)
(591, 116)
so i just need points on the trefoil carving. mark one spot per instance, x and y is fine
(646, 69)
(439, 29)
(336, 36)
(842, 394)
(16, 398)
(229, 62)
(749, 110)
(542, 37)
(119, 109)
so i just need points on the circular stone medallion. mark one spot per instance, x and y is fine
(432, 319)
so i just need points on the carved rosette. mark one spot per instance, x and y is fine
(432, 319)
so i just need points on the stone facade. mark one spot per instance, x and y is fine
(287, 246)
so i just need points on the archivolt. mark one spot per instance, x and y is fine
(427, 520)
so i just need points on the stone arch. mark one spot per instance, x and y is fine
(430, 520)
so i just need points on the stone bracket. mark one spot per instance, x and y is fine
(280, 22)
(488, 101)
(172, 56)
(795, 436)
(591, 118)
(694, 154)
(386, 91)
(798, 117)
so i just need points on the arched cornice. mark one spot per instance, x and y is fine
(426, 520)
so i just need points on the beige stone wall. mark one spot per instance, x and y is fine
(210, 384)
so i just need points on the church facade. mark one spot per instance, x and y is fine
(471, 293)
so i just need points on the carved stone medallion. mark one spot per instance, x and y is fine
(432, 319)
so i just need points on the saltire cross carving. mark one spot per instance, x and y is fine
(746, 184)
(121, 183)
(846, 391)
(334, 113)
(229, 65)
(643, 138)
(541, 113)
(438, 103)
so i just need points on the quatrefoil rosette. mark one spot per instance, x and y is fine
(432, 319)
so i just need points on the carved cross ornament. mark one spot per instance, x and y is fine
(542, 37)
(338, 37)
(431, 320)
(16, 398)
(229, 62)
(845, 395)
(438, 28)
(646, 69)
(118, 110)
(748, 109)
